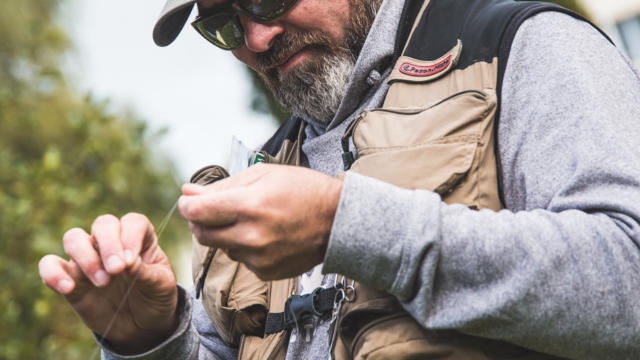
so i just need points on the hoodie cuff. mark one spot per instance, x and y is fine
(182, 344)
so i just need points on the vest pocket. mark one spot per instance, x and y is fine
(235, 299)
(436, 167)
(399, 336)
(431, 147)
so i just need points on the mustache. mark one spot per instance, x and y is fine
(289, 43)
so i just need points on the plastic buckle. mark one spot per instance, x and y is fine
(300, 308)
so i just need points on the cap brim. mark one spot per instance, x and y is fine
(171, 21)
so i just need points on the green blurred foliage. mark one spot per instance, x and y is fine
(64, 159)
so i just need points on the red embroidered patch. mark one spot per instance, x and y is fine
(422, 70)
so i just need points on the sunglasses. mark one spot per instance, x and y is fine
(222, 28)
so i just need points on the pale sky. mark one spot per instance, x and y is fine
(201, 93)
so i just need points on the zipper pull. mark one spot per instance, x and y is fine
(308, 330)
(347, 156)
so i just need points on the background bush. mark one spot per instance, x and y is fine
(64, 159)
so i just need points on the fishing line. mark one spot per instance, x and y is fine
(161, 227)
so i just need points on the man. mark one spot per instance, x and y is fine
(555, 273)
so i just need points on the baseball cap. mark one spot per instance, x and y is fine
(172, 19)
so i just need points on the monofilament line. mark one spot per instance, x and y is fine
(161, 228)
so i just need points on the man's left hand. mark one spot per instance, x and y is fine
(275, 219)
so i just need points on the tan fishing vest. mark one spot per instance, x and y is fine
(435, 131)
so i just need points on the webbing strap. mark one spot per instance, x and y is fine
(300, 308)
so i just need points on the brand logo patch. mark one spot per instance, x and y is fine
(410, 69)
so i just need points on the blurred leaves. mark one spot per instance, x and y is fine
(64, 159)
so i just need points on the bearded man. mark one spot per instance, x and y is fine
(469, 168)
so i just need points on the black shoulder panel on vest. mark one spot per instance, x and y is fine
(485, 27)
(480, 25)
(407, 18)
(288, 130)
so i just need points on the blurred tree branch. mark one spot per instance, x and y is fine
(64, 159)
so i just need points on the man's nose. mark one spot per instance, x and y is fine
(259, 36)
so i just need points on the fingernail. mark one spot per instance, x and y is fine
(65, 286)
(101, 277)
(128, 257)
(114, 264)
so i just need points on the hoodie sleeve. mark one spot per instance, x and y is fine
(195, 338)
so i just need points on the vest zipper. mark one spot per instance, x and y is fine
(347, 156)
(417, 109)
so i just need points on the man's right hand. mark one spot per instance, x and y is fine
(103, 266)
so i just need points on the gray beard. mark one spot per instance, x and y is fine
(316, 93)
(314, 89)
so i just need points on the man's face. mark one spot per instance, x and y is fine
(307, 55)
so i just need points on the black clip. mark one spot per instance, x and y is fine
(300, 309)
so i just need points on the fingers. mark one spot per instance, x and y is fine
(106, 231)
(112, 246)
(80, 248)
(219, 208)
(244, 244)
(217, 204)
(54, 274)
(245, 178)
(137, 235)
(226, 237)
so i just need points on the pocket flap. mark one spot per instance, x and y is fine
(443, 166)
(458, 115)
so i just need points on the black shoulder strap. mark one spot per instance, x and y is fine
(485, 27)
(407, 19)
(288, 130)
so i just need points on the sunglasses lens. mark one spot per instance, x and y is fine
(266, 9)
(221, 30)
